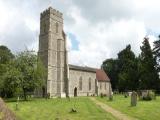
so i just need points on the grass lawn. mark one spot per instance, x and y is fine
(41, 109)
(145, 110)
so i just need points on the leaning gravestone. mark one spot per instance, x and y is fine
(133, 98)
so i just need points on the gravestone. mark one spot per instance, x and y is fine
(129, 93)
(17, 103)
(110, 93)
(133, 98)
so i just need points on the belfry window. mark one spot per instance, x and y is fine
(100, 85)
(80, 83)
(44, 28)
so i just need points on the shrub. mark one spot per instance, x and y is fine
(150, 95)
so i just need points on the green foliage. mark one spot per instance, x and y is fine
(41, 73)
(156, 52)
(31, 70)
(6, 58)
(149, 78)
(20, 74)
(123, 72)
(110, 66)
(5, 55)
(11, 79)
(128, 70)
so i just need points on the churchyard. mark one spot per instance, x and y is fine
(61, 109)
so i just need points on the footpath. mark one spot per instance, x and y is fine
(117, 114)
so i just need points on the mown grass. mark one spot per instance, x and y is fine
(145, 110)
(42, 109)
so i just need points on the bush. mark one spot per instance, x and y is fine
(150, 95)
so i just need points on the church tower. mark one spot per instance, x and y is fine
(52, 51)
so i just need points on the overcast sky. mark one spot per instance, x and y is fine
(96, 29)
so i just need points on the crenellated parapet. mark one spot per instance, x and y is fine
(52, 11)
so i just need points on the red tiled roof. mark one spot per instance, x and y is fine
(101, 75)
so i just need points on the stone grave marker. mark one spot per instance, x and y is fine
(110, 93)
(133, 98)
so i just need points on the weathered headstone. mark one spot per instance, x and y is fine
(17, 103)
(129, 93)
(110, 93)
(133, 98)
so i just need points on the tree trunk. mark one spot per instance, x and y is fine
(24, 93)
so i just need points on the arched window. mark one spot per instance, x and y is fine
(89, 84)
(100, 85)
(57, 27)
(80, 83)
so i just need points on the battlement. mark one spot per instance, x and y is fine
(50, 10)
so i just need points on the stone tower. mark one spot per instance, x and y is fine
(52, 51)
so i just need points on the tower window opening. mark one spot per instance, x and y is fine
(89, 83)
(57, 27)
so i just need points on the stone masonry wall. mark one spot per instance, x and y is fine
(74, 77)
(103, 87)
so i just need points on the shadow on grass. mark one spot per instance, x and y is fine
(20, 100)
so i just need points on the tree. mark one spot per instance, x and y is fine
(31, 71)
(20, 74)
(156, 52)
(128, 70)
(5, 55)
(11, 79)
(110, 66)
(5, 58)
(148, 74)
(41, 75)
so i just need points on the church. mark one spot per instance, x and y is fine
(63, 79)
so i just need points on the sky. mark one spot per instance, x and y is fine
(96, 29)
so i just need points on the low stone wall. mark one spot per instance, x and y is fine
(5, 112)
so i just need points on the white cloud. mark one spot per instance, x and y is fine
(19, 24)
(102, 28)
(103, 40)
